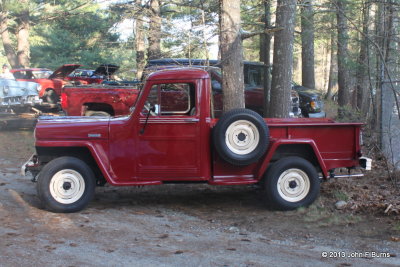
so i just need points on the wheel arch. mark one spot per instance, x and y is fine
(84, 153)
(95, 106)
(306, 149)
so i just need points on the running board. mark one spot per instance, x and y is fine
(345, 176)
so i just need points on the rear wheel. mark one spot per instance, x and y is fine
(291, 183)
(94, 113)
(66, 184)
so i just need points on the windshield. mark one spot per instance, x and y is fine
(32, 74)
(140, 87)
(42, 74)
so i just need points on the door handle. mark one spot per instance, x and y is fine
(191, 120)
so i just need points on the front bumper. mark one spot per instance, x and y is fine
(20, 101)
(32, 166)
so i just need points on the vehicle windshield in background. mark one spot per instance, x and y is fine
(32, 74)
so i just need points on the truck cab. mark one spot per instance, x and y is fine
(172, 135)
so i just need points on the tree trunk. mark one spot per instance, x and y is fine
(342, 54)
(139, 40)
(283, 59)
(23, 37)
(361, 75)
(265, 56)
(332, 66)
(205, 46)
(7, 43)
(379, 33)
(307, 44)
(231, 55)
(154, 50)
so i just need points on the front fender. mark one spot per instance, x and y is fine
(98, 151)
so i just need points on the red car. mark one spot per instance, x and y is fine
(172, 136)
(51, 82)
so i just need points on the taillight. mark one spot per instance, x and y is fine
(64, 102)
(313, 105)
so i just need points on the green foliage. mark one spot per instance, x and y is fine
(340, 195)
(86, 39)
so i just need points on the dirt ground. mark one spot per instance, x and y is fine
(189, 225)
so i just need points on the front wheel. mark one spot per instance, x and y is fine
(291, 183)
(66, 184)
(51, 97)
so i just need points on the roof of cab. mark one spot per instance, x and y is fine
(182, 73)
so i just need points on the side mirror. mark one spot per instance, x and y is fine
(154, 109)
(216, 86)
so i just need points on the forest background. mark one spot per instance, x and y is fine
(346, 49)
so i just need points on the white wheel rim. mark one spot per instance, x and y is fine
(67, 186)
(242, 137)
(293, 185)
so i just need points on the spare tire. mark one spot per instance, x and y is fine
(241, 137)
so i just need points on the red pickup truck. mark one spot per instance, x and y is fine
(171, 135)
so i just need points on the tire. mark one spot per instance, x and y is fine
(66, 184)
(51, 97)
(94, 113)
(241, 137)
(291, 183)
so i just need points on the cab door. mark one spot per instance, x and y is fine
(168, 145)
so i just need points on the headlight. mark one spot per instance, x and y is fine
(39, 88)
(6, 90)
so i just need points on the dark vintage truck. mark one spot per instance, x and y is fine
(172, 136)
(116, 99)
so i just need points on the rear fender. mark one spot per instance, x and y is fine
(274, 146)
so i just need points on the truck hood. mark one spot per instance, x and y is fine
(105, 70)
(307, 92)
(71, 128)
(64, 71)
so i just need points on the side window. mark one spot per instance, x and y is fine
(253, 75)
(171, 99)
(19, 74)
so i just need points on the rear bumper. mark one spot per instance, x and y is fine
(321, 114)
(366, 163)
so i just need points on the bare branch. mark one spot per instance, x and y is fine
(267, 31)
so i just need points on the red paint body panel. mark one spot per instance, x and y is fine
(178, 148)
(74, 100)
